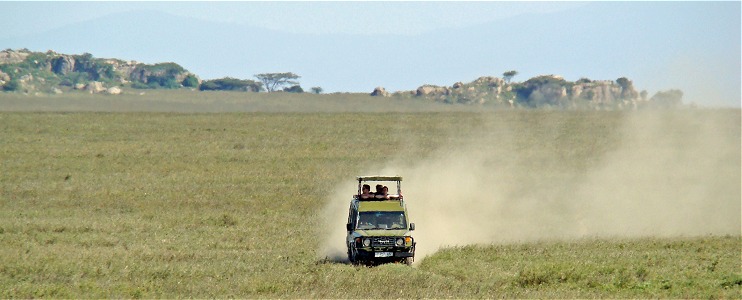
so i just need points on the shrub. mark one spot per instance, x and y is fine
(230, 84)
(666, 99)
(294, 89)
(209, 86)
(12, 85)
(190, 81)
(78, 77)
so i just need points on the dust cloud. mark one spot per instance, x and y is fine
(654, 174)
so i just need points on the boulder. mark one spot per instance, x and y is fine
(79, 86)
(113, 90)
(56, 90)
(95, 87)
(4, 77)
(380, 92)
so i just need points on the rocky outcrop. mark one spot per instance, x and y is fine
(489, 81)
(63, 64)
(606, 92)
(12, 57)
(482, 90)
(427, 89)
(380, 92)
(154, 73)
(69, 70)
(540, 91)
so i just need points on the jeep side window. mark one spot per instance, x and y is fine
(354, 216)
(350, 215)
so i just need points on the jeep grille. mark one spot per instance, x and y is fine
(383, 241)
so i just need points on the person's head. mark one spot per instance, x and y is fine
(366, 188)
(385, 190)
(378, 188)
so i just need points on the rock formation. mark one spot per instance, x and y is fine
(63, 64)
(12, 57)
(380, 92)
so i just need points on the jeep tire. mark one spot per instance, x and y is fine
(408, 260)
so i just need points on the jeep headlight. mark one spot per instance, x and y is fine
(400, 241)
(366, 242)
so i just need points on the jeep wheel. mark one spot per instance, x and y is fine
(408, 260)
(353, 255)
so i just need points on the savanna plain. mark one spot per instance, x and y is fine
(233, 195)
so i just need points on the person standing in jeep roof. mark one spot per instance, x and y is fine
(384, 195)
(366, 192)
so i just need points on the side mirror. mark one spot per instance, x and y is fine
(412, 226)
(348, 227)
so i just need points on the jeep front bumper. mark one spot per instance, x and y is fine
(384, 253)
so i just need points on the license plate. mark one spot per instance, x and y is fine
(383, 254)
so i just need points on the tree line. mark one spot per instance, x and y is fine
(269, 82)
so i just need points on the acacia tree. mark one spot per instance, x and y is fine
(274, 81)
(509, 75)
(623, 82)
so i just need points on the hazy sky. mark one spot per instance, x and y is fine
(406, 18)
(702, 39)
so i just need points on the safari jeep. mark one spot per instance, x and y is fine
(378, 228)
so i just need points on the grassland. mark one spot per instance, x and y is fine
(174, 205)
(186, 101)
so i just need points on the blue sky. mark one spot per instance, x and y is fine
(692, 46)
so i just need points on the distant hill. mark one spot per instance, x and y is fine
(50, 72)
(29, 72)
(546, 91)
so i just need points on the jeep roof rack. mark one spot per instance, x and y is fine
(379, 178)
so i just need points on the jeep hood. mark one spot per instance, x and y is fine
(382, 232)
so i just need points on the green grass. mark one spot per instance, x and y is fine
(173, 205)
(638, 268)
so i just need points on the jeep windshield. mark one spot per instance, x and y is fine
(386, 220)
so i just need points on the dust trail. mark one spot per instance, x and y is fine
(655, 174)
(334, 216)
